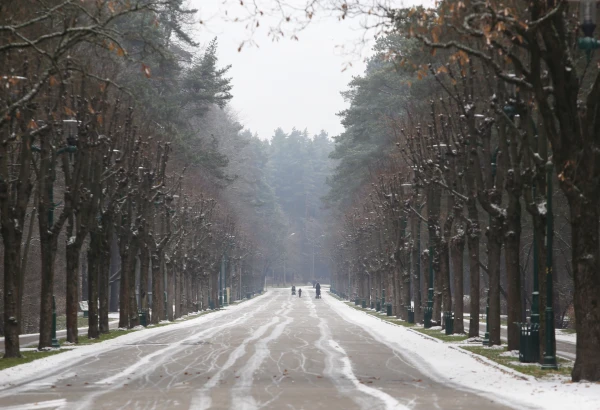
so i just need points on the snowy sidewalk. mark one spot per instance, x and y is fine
(455, 366)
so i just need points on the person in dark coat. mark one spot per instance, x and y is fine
(299, 293)
(318, 288)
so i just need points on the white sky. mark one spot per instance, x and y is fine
(285, 83)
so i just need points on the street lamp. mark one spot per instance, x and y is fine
(587, 18)
(549, 354)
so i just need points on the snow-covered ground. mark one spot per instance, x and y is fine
(566, 337)
(456, 366)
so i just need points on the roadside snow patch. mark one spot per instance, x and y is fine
(459, 368)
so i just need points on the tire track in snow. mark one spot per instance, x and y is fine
(242, 398)
(202, 400)
(161, 356)
(338, 369)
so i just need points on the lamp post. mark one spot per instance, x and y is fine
(549, 354)
(535, 297)
(486, 337)
(429, 308)
(54, 342)
(587, 16)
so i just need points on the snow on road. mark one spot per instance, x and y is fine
(47, 367)
(277, 351)
(339, 369)
(456, 366)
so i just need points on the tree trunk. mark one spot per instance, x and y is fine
(474, 279)
(23, 267)
(144, 267)
(48, 250)
(586, 274)
(94, 256)
(178, 289)
(214, 289)
(513, 270)
(124, 283)
(104, 270)
(72, 307)
(494, 255)
(11, 237)
(437, 295)
(134, 319)
(405, 288)
(170, 290)
(416, 268)
(458, 252)
(157, 298)
(425, 275)
(445, 277)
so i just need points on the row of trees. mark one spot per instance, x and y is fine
(104, 149)
(449, 159)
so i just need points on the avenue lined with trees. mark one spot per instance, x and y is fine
(465, 180)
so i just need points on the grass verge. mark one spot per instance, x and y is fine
(61, 322)
(565, 367)
(438, 334)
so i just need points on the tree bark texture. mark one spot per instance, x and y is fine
(72, 306)
(512, 240)
(494, 255)
(158, 313)
(94, 256)
(457, 252)
(585, 240)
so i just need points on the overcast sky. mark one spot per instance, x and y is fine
(285, 83)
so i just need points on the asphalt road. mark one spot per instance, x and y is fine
(563, 349)
(274, 352)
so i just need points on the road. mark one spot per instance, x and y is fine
(33, 339)
(563, 349)
(273, 352)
